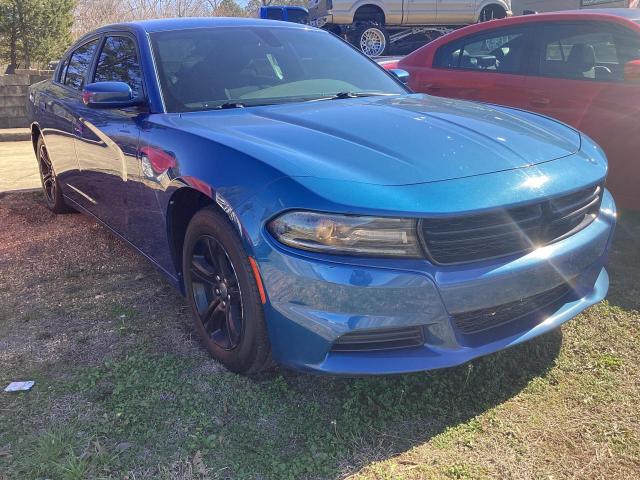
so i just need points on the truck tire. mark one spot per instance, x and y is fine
(492, 12)
(371, 38)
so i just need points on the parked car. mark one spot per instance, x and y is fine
(580, 67)
(310, 208)
(520, 6)
(372, 26)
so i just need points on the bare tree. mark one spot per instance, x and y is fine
(91, 14)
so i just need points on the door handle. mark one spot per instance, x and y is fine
(540, 101)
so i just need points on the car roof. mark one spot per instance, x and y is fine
(620, 14)
(627, 16)
(186, 23)
(630, 13)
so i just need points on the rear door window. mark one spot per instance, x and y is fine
(586, 51)
(500, 51)
(79, 63)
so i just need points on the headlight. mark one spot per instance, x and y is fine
(347, 234)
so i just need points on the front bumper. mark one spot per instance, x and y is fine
(314, 299)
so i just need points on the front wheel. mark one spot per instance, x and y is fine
(372, 39)
(223, 295)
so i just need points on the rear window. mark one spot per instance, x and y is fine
(298, 16)
(274, 14)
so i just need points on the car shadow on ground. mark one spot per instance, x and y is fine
(403, 411)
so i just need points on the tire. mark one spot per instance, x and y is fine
(48, 179)
(223, 295)
(372, 39)
(491, 12)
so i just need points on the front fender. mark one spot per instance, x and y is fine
(203, 164)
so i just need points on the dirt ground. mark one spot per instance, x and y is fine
(18, 167)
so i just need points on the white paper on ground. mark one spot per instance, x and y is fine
(19, 386)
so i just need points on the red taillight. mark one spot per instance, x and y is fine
(159, 160)
(86, 97)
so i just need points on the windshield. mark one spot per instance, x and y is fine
(223, 67)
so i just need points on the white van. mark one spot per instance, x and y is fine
(519, 6)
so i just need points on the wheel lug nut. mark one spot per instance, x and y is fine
(218, 277)
(217, 292)
(224, 304)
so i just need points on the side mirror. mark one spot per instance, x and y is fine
(632, 71)
(109, 95)
(400, 74)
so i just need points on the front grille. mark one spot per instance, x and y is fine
(470, 238)
(486, 318)
(383, 339)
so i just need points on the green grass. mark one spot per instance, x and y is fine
(561, 406)
(275, 427)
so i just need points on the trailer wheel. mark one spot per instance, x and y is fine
(372, 39)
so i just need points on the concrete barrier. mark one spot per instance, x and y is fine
(14, 90)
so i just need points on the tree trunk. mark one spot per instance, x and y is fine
(13, 42)
(25, 36)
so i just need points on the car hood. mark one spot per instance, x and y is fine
(395, 140)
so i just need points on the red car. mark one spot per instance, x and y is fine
(580, 67)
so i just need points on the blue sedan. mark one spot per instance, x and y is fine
(312, 210)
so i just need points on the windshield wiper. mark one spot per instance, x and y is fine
(341, 95)
(224, 106)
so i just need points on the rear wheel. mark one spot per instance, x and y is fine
(372, 39)
(223, 294)
(49, 180)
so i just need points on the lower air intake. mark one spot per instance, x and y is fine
(381, 339)
(479, 320)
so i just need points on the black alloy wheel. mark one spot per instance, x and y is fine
(222, 291)
(216, 293)
(50, 184)
(47, 175)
